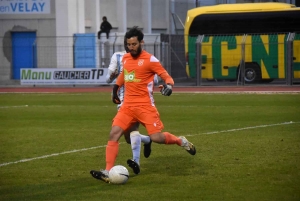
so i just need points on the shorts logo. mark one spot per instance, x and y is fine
(130, 76)
(140, 62)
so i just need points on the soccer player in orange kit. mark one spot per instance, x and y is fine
(139, 69)
(133, 138)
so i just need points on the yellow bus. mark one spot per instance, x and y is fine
(264, 27)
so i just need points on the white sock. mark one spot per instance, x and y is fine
(145, 139)
(135, 139)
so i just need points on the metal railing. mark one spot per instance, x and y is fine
(61, 52)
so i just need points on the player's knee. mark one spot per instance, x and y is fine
(115, 133)
(158, 138)
(134, 133)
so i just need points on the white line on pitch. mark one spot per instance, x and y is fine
(44, 106)
(86, 149)
(246, 128)
(50, 155)
(14, 106)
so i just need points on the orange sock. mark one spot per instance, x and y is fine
(171, 139)
(112, 150)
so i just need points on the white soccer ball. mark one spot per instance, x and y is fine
(118, 174)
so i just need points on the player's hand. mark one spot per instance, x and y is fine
(165, 89)
(115, 99)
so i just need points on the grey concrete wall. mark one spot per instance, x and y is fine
(42, 24)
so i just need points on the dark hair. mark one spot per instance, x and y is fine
(104, 18)
(135, 32)
(125, 44)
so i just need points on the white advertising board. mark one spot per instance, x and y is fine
(59, 76)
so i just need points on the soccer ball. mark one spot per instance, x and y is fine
(118, 174)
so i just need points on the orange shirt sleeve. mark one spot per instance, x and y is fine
(167, 78)
(161, 71)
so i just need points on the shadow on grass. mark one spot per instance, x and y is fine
(172, 165)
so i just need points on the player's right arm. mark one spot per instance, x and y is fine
(111, 76)
(112, 72)
(119, 83)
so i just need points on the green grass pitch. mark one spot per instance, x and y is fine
(248, 148)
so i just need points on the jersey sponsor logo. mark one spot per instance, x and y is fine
(140, 62)
(130, 76)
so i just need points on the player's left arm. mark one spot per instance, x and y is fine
(166, 89)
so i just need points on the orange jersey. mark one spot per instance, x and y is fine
(137, 77)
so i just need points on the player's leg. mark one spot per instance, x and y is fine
(112, 149)
(121, 122)
(146, 140)
(169, 138)
(134, 163)
(133, 137)
(147, 145)
(136, 138)
(150, 115)
(99, 32)
(107, 34)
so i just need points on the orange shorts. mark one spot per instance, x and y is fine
(148, 116)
